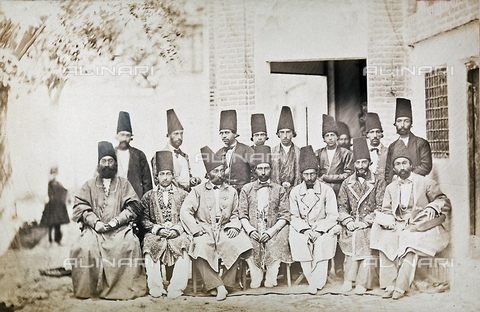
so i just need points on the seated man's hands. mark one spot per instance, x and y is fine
(351, 226)
(232, 233)
(172, 234)
(313, 235)
(264, 238)
(194, 181)
(101, 227)
(360, 225)
(430, 212)
(163, 232)
(200, 233)
(368, 219)
(113, 223)
(255, 235)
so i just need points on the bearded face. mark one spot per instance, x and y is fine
(107, 169)
(361, 167)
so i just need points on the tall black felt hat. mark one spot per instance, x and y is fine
(210, 159)
(261, 154)
(164, 161)
(106, 149)
(343, 129)
(258, 124)
(403, 108)
(173, 124)
(124, 122)
(360, 149)
(328, 125)
(373, 122)
(286, 119)
(400, 150)
(308, 160)
(228, 120)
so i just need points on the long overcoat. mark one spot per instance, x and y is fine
(356, 201)
(198, 213)
(394, 243)
(277, 248)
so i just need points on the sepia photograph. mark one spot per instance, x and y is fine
(239, 155)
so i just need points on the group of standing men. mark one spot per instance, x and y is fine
(265, 205)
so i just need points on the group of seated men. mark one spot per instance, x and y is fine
(265, 205)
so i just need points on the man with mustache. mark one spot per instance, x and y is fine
(378, 152)
(132, 163)
(360, 195)
(286, 155)
(409, 225)
(418, 148)
(182, 172)
(165, 241)
(107, 252)
(234, 154)
(313, 230)
(344, 138)
(210, 214)
(265, 213)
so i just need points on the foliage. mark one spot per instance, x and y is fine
(86, 34)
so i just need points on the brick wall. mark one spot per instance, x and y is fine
(427, 19)
(387, 53)
(231, 75)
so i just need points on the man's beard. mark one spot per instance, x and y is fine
(361, 173)
(107, 172)
(403, 174)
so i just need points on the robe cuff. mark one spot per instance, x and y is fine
(434, 208)
(156, 228)
(90, 219)
(347, 221)
(249, 228)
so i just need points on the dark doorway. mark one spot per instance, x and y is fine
(347, 87)
(474, 150)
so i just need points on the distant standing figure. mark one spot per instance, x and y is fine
(344, 137)
(55, 213)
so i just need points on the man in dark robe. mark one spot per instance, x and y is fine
(418, 148)
(132, 163)
(55, 213)
(286, 155)
(107, 259)
(235, 155)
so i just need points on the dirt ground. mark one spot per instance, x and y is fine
(23, 288)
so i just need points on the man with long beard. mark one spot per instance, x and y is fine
(107, 252)
(418, 149)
